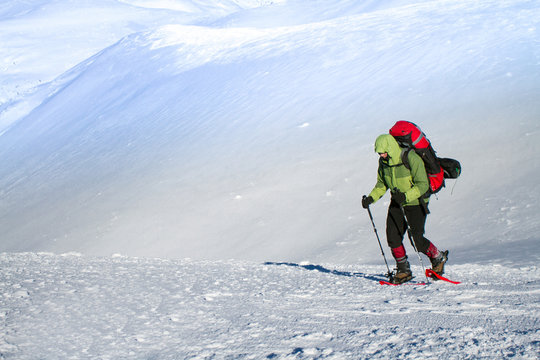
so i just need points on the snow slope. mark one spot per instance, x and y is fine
(61, 307)
(182, 179)
(218, 140)
(41, 39)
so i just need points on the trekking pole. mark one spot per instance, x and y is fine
(409, 234)
(389, 274)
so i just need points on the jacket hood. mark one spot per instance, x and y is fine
(387, 144)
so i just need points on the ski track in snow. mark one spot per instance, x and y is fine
(72, 306)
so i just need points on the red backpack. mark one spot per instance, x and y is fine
(410, 137)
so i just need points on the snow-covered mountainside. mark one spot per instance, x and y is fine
(182, 179)
(195, 132)
(62, 307)
(41, 39)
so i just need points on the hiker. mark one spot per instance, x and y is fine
(407, 185)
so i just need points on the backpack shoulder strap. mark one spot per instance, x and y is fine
(405, 158)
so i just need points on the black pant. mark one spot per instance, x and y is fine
(396, 226)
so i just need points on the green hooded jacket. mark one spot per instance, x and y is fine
(393, 174)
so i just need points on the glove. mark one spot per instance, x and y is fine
(398, 197)
(366, 201)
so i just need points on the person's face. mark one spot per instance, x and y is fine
(383, 155)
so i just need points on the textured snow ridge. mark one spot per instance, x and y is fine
(72, 306)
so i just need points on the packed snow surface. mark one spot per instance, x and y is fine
(70, 306)
(200, 164)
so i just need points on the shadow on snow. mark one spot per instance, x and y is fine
(328, 271)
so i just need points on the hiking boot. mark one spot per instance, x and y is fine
(403, 273)
(437, 264)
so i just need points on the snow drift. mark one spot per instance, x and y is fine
(219, 138)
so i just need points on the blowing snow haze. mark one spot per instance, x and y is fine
(245, 129)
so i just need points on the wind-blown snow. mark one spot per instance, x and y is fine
(238, 132)
(59, 307)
